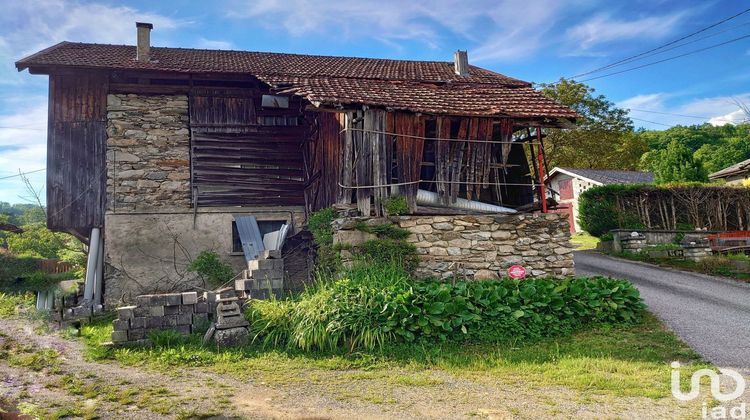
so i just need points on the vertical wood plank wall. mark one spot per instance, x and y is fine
(76, 157)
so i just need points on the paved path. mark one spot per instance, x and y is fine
(710, 314)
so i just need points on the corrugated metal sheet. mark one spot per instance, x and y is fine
(252, 243)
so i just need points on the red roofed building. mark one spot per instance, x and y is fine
(168, 146)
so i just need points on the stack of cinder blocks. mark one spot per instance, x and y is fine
(181, 312)
(264, 276)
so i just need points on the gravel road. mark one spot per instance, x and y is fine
(710, 314)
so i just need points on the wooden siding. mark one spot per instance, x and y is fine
(323, 156)
(76, 155)
(235, 160)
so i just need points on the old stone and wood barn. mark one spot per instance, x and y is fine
(154, 154)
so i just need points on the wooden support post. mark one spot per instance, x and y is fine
(540, 172)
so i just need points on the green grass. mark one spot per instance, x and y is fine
(583, 241)
(11, 304)
(617, 361)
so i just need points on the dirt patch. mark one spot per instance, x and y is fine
(62, 381)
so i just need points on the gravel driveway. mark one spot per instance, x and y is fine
(710, 314)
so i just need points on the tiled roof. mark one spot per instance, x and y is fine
(420, 86)
(606, 176)
(737, 168)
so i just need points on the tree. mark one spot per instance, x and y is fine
(604, 138)
(676, 163)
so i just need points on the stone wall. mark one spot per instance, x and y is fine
(148, 152)
(483, 247)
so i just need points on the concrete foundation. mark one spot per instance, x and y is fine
(148, 253)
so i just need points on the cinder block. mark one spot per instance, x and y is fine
(189, 298)
(119, 336)
(172, 310)
(187, 309)
(183, 329)
(243, 284)
(270, 254)
(138, 322)
(141, 311)
(173, 299)
(120, 324)
(169, 321)
(154, 322)
(266, 274)
(200, 318)
(209, 296)
(264, 264)
(138, 334)
(156, 311)
(143, 300)
(270, 283)
(201, 308)
(184, 319)
(126, 312)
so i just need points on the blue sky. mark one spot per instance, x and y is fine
(535, 40)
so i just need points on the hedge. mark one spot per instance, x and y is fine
(670, 206)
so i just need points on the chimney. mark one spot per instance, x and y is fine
(143, 49)
(461, 63)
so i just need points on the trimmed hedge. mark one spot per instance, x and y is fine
(367, 309)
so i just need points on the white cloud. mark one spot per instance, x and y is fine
(213, 44)
(602, 29)
(489, 26)
(656, 107)
(22, 148)
(37, 24)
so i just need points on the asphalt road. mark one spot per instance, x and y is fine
(710, 314)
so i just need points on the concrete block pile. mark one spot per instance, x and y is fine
(264, 276)
(182, 312)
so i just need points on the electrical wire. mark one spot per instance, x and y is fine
(668, 59)
(24, 173)
(631, 58)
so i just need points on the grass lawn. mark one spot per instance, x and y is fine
(583, 241)
(604, 371)
(621, 361)
(716, 265)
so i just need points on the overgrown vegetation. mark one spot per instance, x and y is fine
(212, 270)
(673, 206)
(326, 257)
(370, 306)
(396, 205)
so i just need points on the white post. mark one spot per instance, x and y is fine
(41, 300)
(50, 300)
(88, 286)
(99, 282)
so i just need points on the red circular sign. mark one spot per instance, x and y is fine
(516, 272)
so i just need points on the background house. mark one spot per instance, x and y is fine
(733, 175)
(567, 184)
(162, 149)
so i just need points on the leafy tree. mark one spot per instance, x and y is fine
(604, 138)
(676, 163)
(40, 242)
(716, 157)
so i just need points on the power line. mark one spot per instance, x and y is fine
(24, 173)
(596, 70)
(22, 128)
(650, 122)
(667, 59)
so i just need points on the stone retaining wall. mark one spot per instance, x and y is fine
(181, 312)
(482, 247)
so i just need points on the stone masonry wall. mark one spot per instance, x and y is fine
(148, 152)
(483, 247)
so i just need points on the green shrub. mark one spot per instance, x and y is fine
(385, 231)
(388, 251)
(396, 205)
(370, 307)
(607, 237)
(319, 224)
(597, 214)
(211, 269)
